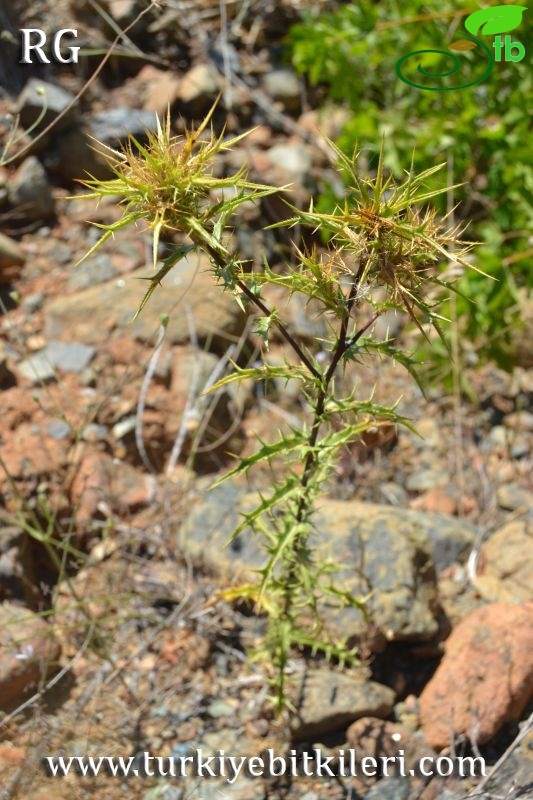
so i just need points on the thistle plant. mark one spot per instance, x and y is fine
(383, 246)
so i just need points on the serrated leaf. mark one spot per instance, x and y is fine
(265, 372)
(263, 325)
(498, 19)
(281, 492)
(155, 280)
(291, 531)
(266, 452)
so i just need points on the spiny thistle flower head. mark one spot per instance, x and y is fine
(385, 233)
(168, 180)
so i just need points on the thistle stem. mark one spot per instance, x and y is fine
(289, 338)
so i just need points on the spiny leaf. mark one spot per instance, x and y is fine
(266, 372)
(155, 280)
(292, 529)
(283, 491)
(266, 452)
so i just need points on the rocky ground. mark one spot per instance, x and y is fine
(113, 638)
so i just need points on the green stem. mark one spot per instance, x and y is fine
(220, 262)
(311, 462)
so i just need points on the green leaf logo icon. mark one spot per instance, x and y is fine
(498, 19)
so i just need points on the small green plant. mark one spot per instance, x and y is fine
(382, 249)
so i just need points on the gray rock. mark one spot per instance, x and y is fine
(58, 429)
(97, 269)
(282, 85)
(37, 368)
(72, 156)
(294, 159)
(33, 302)
(512, 497)
(426, 478)
(520, 449)
(331, 701)
(384, 550)
(95, 433)
(515, 773)
(29, 192)
(89, 315)
(44, 101)
(219, 708)
(68, 356)
(396, 788)
(116, 124)
(450, 539)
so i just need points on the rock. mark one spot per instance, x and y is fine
(397, 788)
(380, 738)
(515, 772)
(96, 269)
(390, 554)
(198, 89)
(28, 652)
(117, 124)
(29, 192)
(520, 421)
(161, 88)
(12, 756)
(123, 11)
(442, 499)
(513, 498)
(32, 302)
(396, 546)
(295, 159)
(72, 156)
(506, 564)
(95, 433)
(27, 453)
(17, 566)
(485, 679)
(103, 483)
(58, 429)
(332, 701)
(37, 368)
(283, 86)
(7, 378)
(68, 356)
(44, 101)
(426, 478)
(91, 314)
(11, 254)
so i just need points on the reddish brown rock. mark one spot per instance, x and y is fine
(485, 678)
(28, 652)
(161, 87)
(102, 479)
